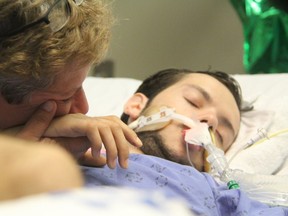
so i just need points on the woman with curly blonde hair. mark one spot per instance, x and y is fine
(47, 49)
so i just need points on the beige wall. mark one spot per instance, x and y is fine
(155, 34)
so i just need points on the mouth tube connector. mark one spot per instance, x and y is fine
(202, 135)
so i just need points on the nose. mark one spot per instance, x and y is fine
(79, 103)
(76, 104)
(209, 116)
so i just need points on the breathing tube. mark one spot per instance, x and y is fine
(269, 189)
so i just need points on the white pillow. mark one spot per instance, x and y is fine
(270, 112)
(106, 96)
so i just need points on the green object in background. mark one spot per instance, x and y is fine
(265, 36)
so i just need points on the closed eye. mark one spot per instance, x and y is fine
(66, 100)
(192, 103)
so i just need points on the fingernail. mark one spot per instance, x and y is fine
(113, 164)
(125, 164)
(47, 106)
(139, 142)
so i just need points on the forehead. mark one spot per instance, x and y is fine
(206, 82)
(69, 79)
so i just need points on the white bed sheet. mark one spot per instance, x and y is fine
(111, 201)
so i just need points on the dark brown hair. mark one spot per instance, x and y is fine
(163, 79)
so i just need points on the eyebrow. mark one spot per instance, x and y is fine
(202, 91)
(208, 98)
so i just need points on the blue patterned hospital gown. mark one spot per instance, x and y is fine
(204, 196)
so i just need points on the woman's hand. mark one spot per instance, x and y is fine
(93, 132)
(78, 133)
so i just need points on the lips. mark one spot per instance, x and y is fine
(200, 150)
(196, 152)
(193, 147)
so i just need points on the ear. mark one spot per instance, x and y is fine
(135, 105)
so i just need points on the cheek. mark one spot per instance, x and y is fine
(173, 138)
(22, 117)
(236, 122)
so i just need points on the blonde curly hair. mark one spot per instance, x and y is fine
(31, 59)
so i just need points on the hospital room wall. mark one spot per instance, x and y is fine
(152, 35)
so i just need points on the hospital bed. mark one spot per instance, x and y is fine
(268, 93)
(106, 96)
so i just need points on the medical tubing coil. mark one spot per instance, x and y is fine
(269, 189)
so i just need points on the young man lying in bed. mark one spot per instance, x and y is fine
(211, 97)
(214, 98)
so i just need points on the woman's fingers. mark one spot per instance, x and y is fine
(109, 131)
(39, 122)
